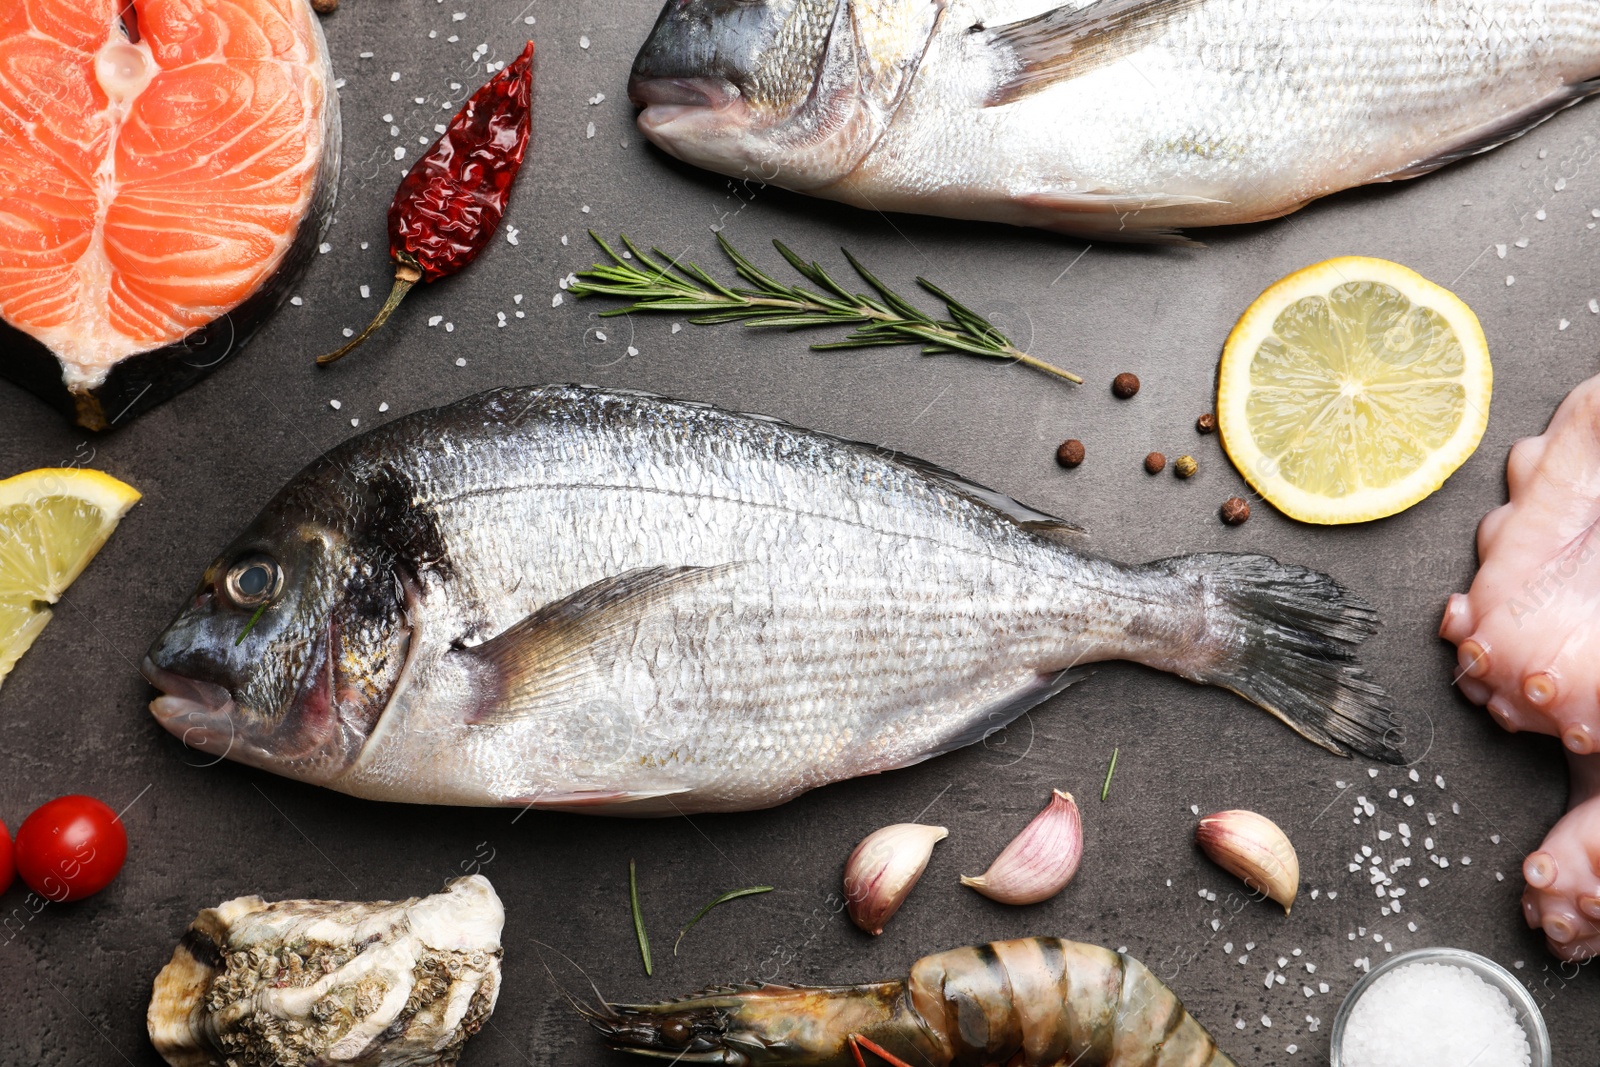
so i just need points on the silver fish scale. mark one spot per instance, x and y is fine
(1261, 105)
(871, 613)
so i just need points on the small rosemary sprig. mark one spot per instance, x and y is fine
(884, 319)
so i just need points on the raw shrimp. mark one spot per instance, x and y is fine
(1036, 1002)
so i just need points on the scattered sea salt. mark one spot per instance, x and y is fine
(599, 335)
(296, 301)
(394, 76)
(335, 404)
(632, 351)
(399, 151)
(434, 320)
(1511, 279)
(461, 361)
(1433, 1015)
(1266, 1020)
(583, 42)
(1238, 1024)
(555, 301)
(355, 422)
(1414, 776)
(1522, 242)
(348, 332)
(1372, 772)
(590, 132)
(366, 292)
(1422, 882)
(1455, 809)
(1194, 809)
(1500, 250)
(1563, 324)
(678, 326)
(1541, 214)
(449, 327)
(324, 248)
(383, 407)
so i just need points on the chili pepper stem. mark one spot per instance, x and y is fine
(406, 274)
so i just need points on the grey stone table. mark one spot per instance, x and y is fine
(74, 980)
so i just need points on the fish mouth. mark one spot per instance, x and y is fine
(665, 100)
(200, 714)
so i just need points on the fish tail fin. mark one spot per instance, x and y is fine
(1285, 637)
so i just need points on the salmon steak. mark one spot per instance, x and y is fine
(167, 168)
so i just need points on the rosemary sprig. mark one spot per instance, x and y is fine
(664, 284)
(723, 899)
(1106, 789)
(638, 919)
(251, 625)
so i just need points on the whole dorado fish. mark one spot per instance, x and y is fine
(593, 600)
(1121, 119)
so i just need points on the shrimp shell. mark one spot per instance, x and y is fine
(1034, 1002)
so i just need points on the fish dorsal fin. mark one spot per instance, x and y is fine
(556, 655)
(1031, 519)
(1070, 41)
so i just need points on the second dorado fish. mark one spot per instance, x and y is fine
(609, 601)
(1117, 119)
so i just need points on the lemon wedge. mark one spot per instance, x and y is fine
(1352, 389)
(52, 522)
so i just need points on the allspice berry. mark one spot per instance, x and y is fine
(1155, 463)
(324, 7)
(1070, 454)
(1235, 510)
(1124, 385)
(1206, 423)
(1185, 467)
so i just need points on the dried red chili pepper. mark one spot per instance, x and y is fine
(451, 202)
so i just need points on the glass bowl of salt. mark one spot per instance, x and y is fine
(1439, 1007)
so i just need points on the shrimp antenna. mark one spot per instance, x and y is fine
(601, 1012)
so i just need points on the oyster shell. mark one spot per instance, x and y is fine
(307, 983)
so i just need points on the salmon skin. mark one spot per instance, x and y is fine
(168, 170)
(605, 601)
(1109, 119)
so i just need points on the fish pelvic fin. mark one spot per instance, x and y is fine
(1286, 640)
(1070, 41)
(560, 653)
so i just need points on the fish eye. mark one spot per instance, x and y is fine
(676, 1032)
(253, 580)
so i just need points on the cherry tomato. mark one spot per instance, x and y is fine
(70, 848)
(7, 868)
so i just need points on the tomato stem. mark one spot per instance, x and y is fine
(406, 274)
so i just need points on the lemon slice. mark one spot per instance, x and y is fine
(52, 522)
(1352, 389)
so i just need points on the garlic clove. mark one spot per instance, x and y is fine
(1040, 861)
(1252, 847)
(879, 874)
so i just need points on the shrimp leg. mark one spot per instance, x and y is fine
(857, 1043)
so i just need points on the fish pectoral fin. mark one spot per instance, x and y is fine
(555, 655)
(1503, 129)
(1114, 216)
(1069, 41)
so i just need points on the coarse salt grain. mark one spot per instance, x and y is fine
(383, 407)
(461, 361)
(296, 301)
(1433, 1015)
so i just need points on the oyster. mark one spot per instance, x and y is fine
(306, 983)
